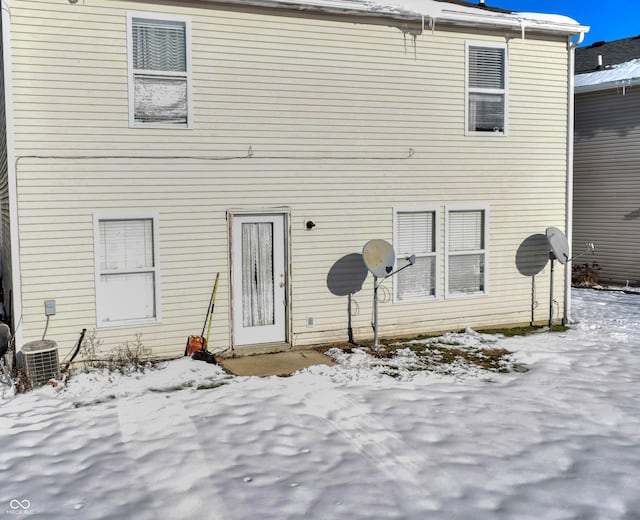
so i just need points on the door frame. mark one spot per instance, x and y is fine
(285, 213)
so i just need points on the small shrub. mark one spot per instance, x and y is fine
(130, 356)
(21, 381)
(90, 350)
(585, 274)
(126, 357)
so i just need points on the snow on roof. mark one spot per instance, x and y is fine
(621, 75)
(558, 19)
(437, 10)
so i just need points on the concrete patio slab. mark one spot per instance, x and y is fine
(280, 364)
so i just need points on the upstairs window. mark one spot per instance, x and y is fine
(486, 89)
(415, 234)
(466, 252)
(159, 89)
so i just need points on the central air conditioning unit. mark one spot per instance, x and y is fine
(39, 359)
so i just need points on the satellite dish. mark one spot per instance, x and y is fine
(379, 257)
(559, 244)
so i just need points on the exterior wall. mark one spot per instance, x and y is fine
(5, 235)
(607, 181)
(330, 108)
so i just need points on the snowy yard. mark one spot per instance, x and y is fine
(187, 441)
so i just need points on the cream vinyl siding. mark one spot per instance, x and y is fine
(336, 120)
(607, 182)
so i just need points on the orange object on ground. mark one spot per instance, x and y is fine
(195, 343)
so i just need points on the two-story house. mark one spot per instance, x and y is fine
(607, 157)
(148, 145)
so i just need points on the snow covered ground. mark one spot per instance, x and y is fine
(187, 441)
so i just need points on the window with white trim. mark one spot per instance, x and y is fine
(159, 90)
(486, 91)
(415, 234)
(126, 270)
(466, 252)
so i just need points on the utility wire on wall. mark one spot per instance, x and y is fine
(249, 155)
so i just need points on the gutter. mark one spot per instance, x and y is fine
(571, 47)
(16, 285)
(469, 16)
(513, 21)
(608, 85)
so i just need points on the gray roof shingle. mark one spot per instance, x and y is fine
(613, 52)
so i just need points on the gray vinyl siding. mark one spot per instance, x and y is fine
(607, 181)
(345, 121)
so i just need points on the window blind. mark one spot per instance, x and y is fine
(127, 270)
(486, 67)
(126, 245)
(466, 258)
(159, 45)
(416, 235)
(486, 89)
(466, 230)
(415, 232)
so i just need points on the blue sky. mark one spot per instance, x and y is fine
(608, 19)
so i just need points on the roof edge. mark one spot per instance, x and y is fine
(449, 13)
(609, 85)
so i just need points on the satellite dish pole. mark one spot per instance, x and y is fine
(560, 251)
(379, 257)
(552, 258)
(375, 312)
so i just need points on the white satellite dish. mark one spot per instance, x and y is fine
(559, 244)
(379, 257)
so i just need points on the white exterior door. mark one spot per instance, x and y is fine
(259, 279)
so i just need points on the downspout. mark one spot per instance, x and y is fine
(571, 47)
(16, 304)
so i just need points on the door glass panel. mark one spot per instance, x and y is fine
(257, 274)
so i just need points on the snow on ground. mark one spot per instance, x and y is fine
(561, 441)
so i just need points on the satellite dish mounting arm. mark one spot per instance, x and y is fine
(411, 259)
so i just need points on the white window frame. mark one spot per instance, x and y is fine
(131, 72)
(484, 251)
(155, 269)
(435, 254)
(504, 91)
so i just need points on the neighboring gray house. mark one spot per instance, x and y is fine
(607, 157)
